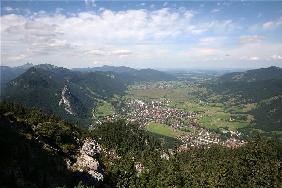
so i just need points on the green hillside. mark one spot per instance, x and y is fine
(260, 87)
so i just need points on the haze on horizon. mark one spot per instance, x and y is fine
(141, 34)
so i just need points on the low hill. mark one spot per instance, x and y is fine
(253, 75)
(107, 68)
(131, 75)
(252, 85)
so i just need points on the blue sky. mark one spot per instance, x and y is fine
(157, 34)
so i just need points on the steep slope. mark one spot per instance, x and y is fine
(38, 150)
(267, 115)
(69, 94)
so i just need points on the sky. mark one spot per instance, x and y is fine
(142, 34)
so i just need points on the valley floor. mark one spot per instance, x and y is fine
(178, 109)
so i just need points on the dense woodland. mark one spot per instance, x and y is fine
(34, 146)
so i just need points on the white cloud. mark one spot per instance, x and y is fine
(276, 57)
(97, 52)
(254, 51)
(102, 52)
(137, 36)
(272, 24)
(212, 41)
(248, 58)
(131, 26)
(222, 26)
(251, 39)
(254, 58)
(14, 57)
(9, 9)
(201, 52)
(215, 11)
(41, 33)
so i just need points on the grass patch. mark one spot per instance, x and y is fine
(218, 119)
(163, 130)
(104, 109)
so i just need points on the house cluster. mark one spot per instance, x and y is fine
(200, 137)
(204, 138)
(143, 112)
(234, 142)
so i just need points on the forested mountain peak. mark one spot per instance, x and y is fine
(68, 93)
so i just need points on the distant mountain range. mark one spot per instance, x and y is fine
(71, 94)
(131, 75)
(106, 68)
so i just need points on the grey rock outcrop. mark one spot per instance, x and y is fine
(87, 160)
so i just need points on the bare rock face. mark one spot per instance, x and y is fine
(91, 148)
(65, 101)
(86, 160)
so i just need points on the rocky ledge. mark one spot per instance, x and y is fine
(87, 160)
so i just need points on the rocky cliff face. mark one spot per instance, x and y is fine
(87, 160)
(65, 101)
